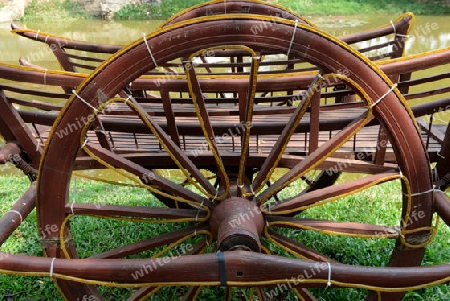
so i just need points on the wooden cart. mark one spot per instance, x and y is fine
(257, 151)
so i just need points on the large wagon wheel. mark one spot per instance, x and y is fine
(239, 261)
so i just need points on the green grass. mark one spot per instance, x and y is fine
(23, 241)
(347, 7)
(53, 10)
(304, 7)
(378, 205)
(152, 11)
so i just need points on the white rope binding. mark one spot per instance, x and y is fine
(292, 39)
(71, 208)
(395, 31)
(215, 197)
(149, 50)
(51, 267)
(434, 189)
(85, 102)
(128, 99)
(18, 213)
(86, 141)
(383, 96)
(329, 275)
(251, 189)
(45, 77)
(74, 195)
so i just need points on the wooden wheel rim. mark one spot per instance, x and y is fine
(310, 43)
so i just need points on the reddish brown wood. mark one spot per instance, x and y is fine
(442, 206)
(325, 193)
(299, 248)
(130, 146)
(8, 152)
(18, 212)
(147, 176)
(400, 128)
(237, 223)
(150, 243)
(60, 45)
(442, 166)
(248, 264)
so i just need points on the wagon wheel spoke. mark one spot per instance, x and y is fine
(169, 144)
(311, 100)
(319, 155)
(333, 166)
(275, 155)
(228, 293)
(304, 294)
(296, 248)
(146, 292)
(327, 194)
(143, 293)
(143, 212)
(263, 294)
(326, 226)
(146, 175)
(174, 150)
(193, 291)
(171, 124)
(247, 112)
(152, 243)
(205, 123)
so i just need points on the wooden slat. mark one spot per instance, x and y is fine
(435, 131)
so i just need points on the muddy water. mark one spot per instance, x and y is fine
(102, 32)
(429, 33)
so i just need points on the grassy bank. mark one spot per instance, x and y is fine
(304, 7)
(347, 7)
(54, 10)
(377, 205)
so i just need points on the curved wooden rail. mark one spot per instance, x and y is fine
(62, 46)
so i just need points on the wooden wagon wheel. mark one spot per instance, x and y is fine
(239, 261)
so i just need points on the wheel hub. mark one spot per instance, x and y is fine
(237, 223)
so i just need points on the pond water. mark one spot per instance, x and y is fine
(430, 32)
